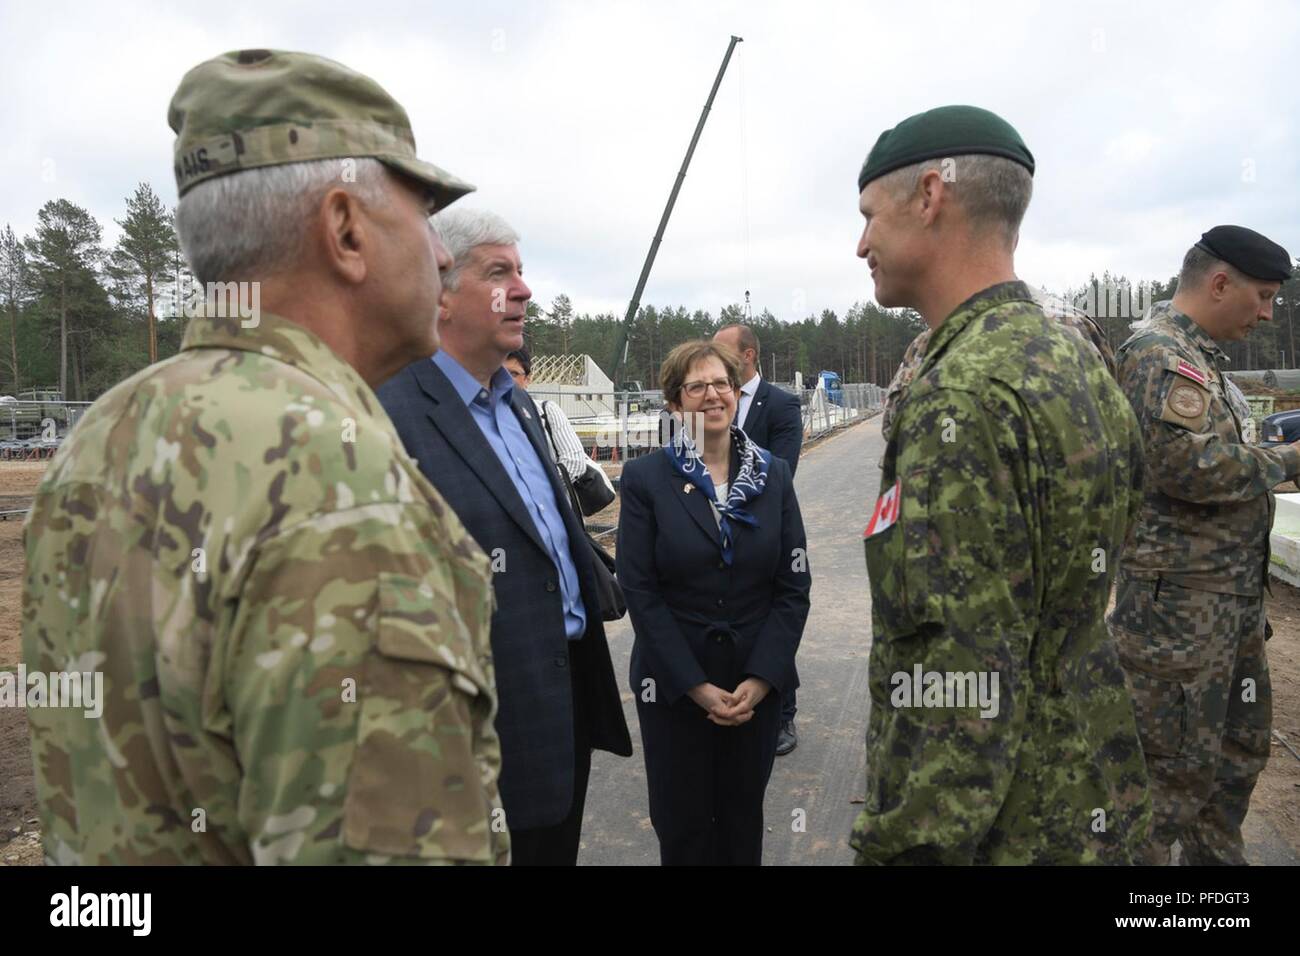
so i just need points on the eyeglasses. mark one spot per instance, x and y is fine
(517, 373)
(696, 389)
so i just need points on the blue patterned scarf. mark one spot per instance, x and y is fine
(749, 484)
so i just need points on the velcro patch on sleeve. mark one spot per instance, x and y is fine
(886, 511)
(1186, 404)
(1181, 366)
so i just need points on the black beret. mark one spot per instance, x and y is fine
(944, 131)
(1253, 254)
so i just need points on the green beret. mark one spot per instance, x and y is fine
(1248, 251)
(255, 108)
(944, 131)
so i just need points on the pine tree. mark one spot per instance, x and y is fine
(13, 290)
(145, 253)
(64, 253)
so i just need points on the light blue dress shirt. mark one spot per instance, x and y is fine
(494, 416)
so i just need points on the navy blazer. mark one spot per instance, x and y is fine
(529, 647)
(775, 421)
(696, 619)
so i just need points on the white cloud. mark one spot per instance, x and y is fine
(573, 118)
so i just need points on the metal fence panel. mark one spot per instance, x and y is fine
(33, 430)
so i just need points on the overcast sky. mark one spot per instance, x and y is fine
(1150, 122)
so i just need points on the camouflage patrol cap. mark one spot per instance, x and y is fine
(944, 131)
(253, 108)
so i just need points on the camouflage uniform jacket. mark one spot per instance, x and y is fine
(1008, 484)
(1208, 503)
(291, 624)
(1068, 316)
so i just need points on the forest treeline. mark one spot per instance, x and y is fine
(78, 316)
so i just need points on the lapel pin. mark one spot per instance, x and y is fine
(686, 488)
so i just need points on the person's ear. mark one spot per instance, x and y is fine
(1219, 285)
(932, 193)
(345, 235)
(444, 304)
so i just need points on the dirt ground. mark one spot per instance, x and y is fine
(19, 833)
(1277, 796)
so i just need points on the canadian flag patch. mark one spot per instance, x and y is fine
(1191, 371)
(886, 512)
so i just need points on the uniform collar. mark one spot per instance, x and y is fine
(279, 338)
(969, 311)
(1184, 323)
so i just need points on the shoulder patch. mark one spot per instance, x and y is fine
(1187, 402)
(1180, 366)
(886, 511)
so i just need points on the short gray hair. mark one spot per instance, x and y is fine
(251, 224)
(463, 229)
(994, 190)
(1198, 264)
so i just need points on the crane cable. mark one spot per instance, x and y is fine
(744, 175)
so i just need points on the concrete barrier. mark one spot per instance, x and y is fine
(1284, 540)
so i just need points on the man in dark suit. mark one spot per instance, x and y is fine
(773, 419)
(477, 439)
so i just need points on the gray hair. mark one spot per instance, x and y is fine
(994, 190)
(1198, 264)
(463, 229)
(251, 224)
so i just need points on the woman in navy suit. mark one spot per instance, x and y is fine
(713, 563)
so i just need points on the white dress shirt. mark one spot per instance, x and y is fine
(747, 398)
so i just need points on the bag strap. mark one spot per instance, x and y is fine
(546, 424)
(574, 501)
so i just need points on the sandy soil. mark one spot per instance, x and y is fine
(19, 833)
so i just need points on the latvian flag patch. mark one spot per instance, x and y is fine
(1190, 371)
(886, 512)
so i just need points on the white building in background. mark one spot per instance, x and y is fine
(575, 383)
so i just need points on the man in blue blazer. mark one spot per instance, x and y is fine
(477, 439)
(773, 419)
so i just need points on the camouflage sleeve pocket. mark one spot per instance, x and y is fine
(415, 786)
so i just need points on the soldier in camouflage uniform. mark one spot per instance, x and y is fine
(914, 354)
(1189, 612)
(1010, 477)
(291, 625)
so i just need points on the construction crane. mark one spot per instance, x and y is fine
(620, 355)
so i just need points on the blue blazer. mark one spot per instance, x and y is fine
(685, 602)
(775, 422)
(529, 647)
